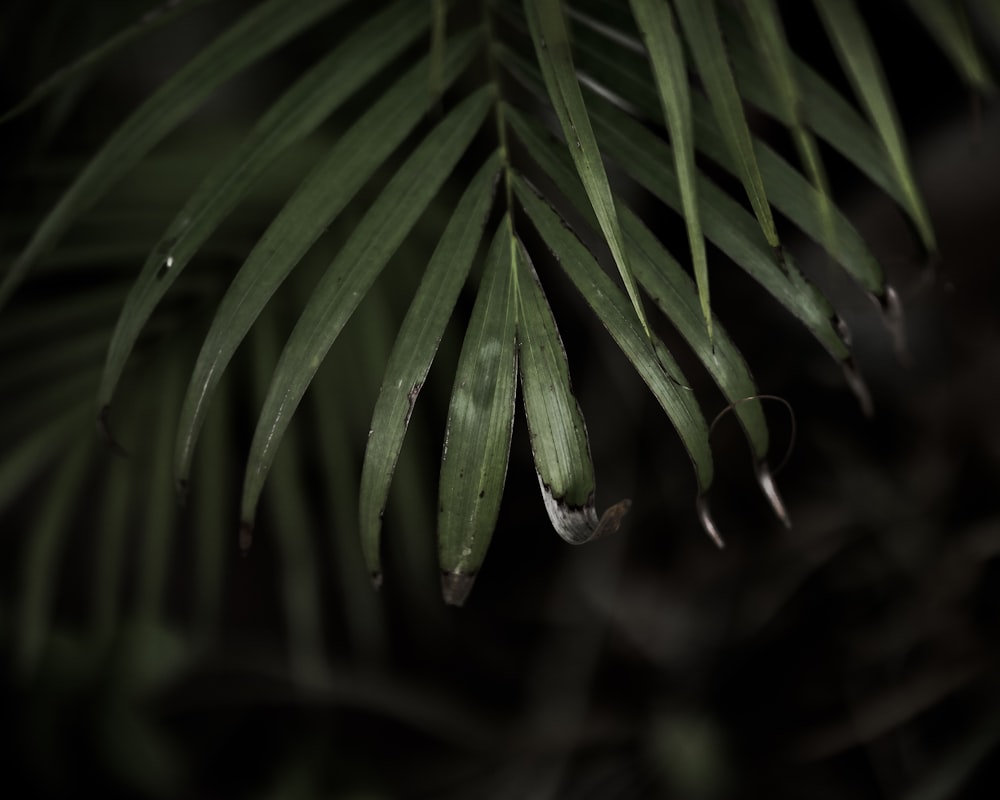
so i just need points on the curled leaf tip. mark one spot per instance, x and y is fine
(456, 586)
(246, 537)
(767, 485)
(580, 524)
(104, 429)
(707, 523)
(854, 380)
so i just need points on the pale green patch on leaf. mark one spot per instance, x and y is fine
(414, 350)
(480, 423)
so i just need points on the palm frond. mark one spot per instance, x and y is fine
(599, 101)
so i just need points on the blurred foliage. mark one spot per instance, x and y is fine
(853, 656)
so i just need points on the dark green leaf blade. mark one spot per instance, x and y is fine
(948, 23)
(666, 283)
(322, 196)
(39, 570)
(556, 426)
(701, 28)
(647, 160)
(859, 59)
(414, 350)
(299, 111)
(611, 307)
(352, 273)
(666, 55)
(553, 50)
(480, 423)
(259, 31)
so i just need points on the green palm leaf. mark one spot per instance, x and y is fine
(555, 423)
(480, 422)
(323, 195)
(414, 350)
(554, 53)
(857, 54)
(261, 30)
(350, 276)
(698, 18)
(316, 95)
(649, 357)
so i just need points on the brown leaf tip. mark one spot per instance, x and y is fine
(456, 586)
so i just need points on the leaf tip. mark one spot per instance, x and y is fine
(104, 429)
(456, 586)
(181, 489)
(770, 489)
(246, 537)
(854, 380)
(707, 523)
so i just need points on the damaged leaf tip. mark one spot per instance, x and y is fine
(456, 586)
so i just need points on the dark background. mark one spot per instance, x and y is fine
(852, 656)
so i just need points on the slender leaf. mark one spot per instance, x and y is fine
(337, 424)
(607, 302)
(666, 283)
(769, 36)
(213, 518)
(824, 110)
(646, 158)
(312, 98)
(414, 351)
(552, 47)
(147, 23)
(22, 463)
(159, 504)
(480, 423)
(352, 273)
(859, 59)
(701, 28)
(435, 80)
(293, 523)
(116, 510)
(788, 190)
(947, 22)
(666, 56)
(322, 196)
(40, 560)
(556, 426)
(259, 31)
